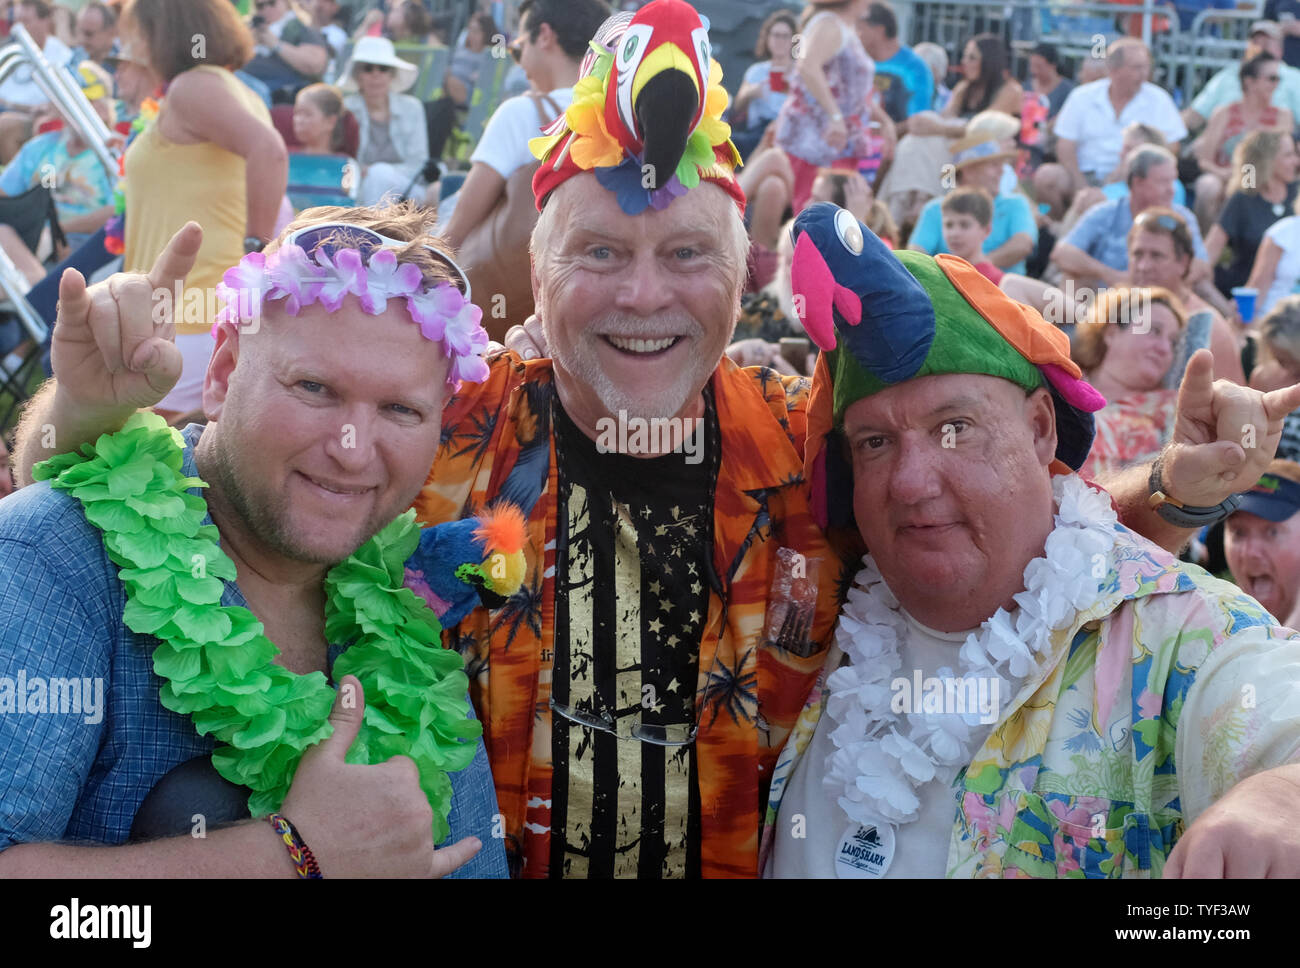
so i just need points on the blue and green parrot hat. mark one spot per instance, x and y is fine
(881, 318)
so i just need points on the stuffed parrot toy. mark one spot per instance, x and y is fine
(460, 565)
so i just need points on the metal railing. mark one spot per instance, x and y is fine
(64, 93)
(71, 103)
(1182, 60)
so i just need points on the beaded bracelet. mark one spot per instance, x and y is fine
(303, 860)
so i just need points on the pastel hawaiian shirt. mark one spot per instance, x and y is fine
(1146, 708)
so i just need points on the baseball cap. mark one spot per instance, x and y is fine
(1276, 496)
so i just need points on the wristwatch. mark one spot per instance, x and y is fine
(253, 244)
(1185, 515)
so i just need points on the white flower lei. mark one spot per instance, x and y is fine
(875, 770)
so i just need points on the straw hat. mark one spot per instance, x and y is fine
(379, 50)
(978, 147)
(125, 54)
(997, 123)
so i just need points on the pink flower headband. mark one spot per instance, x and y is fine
(442, 312)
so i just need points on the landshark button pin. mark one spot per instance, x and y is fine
(865, 851)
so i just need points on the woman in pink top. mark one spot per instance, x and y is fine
(1125, 348)
(825, 121)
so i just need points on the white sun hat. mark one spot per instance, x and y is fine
(379, 50)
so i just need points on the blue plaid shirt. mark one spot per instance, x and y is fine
(63, 777)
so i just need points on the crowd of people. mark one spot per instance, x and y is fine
(981, 380)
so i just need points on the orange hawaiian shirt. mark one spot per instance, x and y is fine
(497, 444)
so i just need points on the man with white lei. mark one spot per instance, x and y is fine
(1020, 686)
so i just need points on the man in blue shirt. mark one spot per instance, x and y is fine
(323, 426)
(1096, 249)
(97, 35)
(895, 61)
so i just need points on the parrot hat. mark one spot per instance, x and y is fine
(646, 115)
(881, 318)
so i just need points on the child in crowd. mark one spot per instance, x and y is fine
(967, 221)
(320, 173)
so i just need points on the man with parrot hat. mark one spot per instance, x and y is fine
(632, 706)
(1019, 685)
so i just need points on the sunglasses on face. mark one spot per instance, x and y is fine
(517, 49)
(330, 238)
(263, 4)
(371, 68)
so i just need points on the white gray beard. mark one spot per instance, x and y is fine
(583, 363)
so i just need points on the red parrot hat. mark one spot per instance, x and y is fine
(882, 318)
(646, 116)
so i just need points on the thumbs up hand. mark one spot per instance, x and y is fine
(366, 821)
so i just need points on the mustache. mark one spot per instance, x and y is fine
(630, 325)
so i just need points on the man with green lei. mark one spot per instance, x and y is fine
(146, 698)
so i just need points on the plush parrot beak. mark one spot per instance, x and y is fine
(664, 84)
(817, 294)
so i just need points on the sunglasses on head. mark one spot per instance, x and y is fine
(332, 237)
(1166, 222)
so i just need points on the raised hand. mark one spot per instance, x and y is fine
(366, 821)
(1224, 435)
(112, 349)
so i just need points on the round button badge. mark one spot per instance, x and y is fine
(865, 851)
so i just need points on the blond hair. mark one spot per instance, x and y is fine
(1259, 150)
(1281, 329)
(1118, 307)
(404, 221)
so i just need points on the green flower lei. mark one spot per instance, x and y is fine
(215, 659)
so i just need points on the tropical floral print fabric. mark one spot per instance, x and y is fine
(1148, 707)
(1130, 429)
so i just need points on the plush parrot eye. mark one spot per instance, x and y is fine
(702, 51)
(634, 46)
(850, 233)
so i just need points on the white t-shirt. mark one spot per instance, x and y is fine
(504, 145)
(1285, 233)
(921, 847)
(20, 88)
(1088, 119)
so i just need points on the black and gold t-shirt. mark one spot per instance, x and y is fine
(632, 590)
